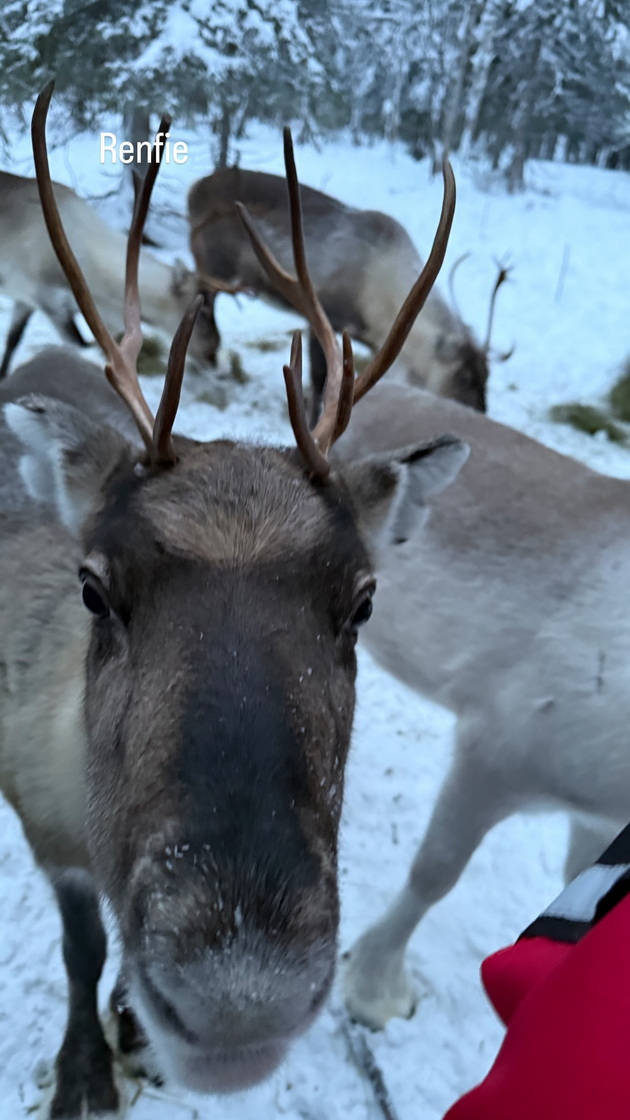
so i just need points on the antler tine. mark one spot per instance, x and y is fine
(118, 371)
(316, 461)
(320, 324)
(56, 232)
(451, 280)
(415, 301)
(286, 284)
(131, 343)
(164, 451)
(342, 390)
(503, 275)
(299, 292)
(346, 390)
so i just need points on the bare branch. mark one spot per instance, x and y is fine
(366, 1062)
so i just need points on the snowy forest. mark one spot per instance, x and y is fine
(504, 80)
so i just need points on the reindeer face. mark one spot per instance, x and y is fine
(469, 380)
(462, 372)
(225, 589)
(225, 595)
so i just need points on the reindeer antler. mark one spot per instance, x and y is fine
(342, 390)
(418, 295)
(121, 369)
(451, 280)
(503, 274)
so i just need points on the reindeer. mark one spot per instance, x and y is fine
(362, 263)
(30, 274)
(175, 736)
(507, 609)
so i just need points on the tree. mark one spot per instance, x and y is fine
(256, 58)
(553, 79)
(509, 78)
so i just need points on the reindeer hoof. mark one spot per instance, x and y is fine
(375, 992)
(80, 1085)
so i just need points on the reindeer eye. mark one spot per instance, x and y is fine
(362, 613)
(93, 595)
(362, 608)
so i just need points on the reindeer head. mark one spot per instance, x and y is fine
(464, 367)
(223, 586)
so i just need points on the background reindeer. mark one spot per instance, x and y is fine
(197, 780)
(362, 262)
(504, 609)
(31, 276)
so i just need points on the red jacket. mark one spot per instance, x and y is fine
(566, 1004)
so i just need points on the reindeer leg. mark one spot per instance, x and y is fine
(472, 800)
(69, 330)
(55, 306)
(84, 1070)
(19, 319)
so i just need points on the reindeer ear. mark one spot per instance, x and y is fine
(390, 489)
(67, 457)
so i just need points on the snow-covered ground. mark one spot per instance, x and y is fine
(570, 340)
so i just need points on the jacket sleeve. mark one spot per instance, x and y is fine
(566, 1004)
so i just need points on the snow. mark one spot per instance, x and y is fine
(569, 344)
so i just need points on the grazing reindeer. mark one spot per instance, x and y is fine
(178, 739)
(362, 263)
(31, 276)
(507, 609)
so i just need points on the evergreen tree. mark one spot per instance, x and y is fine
(514, 79)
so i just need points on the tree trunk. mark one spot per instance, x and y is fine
(225, 133)
(481, 66)
(455, 100)
(241, 118)
(515, 175)
(499, 142)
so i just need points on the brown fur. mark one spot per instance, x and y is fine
(189, 518)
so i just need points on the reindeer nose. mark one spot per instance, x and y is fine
(252, 1003)
(223, 1023)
